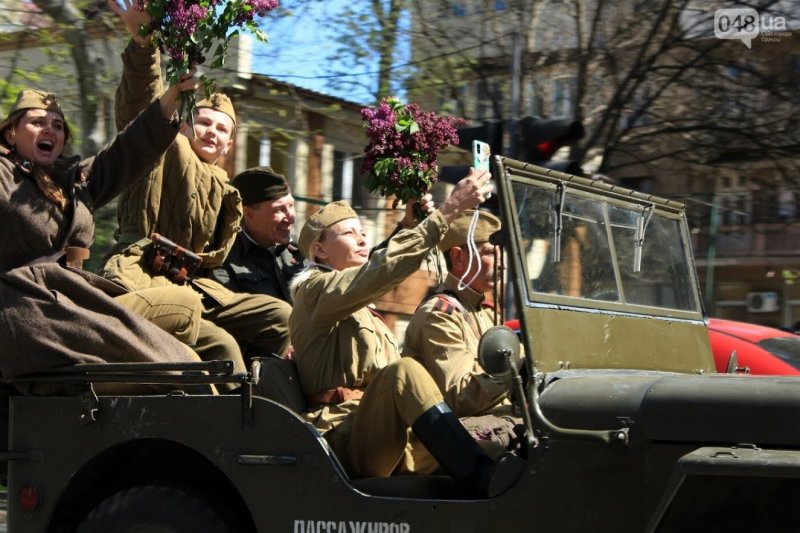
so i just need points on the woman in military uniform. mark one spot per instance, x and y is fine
(52, 313)
(363, 397)
(188, 199)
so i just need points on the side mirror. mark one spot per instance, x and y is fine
(498, 349)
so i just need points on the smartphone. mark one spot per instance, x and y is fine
(481, 152)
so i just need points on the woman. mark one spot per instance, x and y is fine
(363, 397)
(51, 312)
(188, 199)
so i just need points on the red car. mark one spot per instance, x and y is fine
(761, 349)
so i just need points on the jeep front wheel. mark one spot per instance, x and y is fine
(154, 509)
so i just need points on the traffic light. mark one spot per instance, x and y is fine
(536, 140)
(539, 139)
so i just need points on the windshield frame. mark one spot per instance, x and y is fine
(567, 332)
(648, 207)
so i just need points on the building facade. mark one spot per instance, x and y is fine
(669, 109)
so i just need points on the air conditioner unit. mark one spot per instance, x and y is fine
(762, 302)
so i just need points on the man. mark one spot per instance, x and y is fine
(188, 199)
(362, 395)
(445, 330)
(263, 259)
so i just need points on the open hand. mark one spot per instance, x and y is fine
(133, 19)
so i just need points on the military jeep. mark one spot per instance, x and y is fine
(626, 425)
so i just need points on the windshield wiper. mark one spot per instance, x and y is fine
(561, 194)
(638, 236)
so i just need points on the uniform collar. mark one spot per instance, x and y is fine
(320, 266)
(465, 295)
(249, 243)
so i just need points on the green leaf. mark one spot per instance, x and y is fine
(260, 35)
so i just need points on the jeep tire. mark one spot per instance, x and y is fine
(154, 509)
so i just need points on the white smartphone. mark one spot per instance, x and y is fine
(481, 152)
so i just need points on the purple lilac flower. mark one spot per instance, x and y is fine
(258, 8)
(413, 156)
(184, 20)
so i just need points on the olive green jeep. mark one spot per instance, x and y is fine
(626, 425)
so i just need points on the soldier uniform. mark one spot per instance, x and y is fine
(52, 313)
(249, 266)
(341, 343)
(444, 334)
(191, 203)
(364, 397)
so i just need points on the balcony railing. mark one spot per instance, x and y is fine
(763, 223)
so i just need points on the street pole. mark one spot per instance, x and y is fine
(712, 252)
(516, 68)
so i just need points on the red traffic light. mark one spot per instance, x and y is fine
(540, 139)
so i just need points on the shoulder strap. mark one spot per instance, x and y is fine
(448, 303)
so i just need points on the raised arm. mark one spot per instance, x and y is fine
(138, 147)
(140, 83)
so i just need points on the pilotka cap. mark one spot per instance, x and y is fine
(35, 99)
(260, 184)
(321, 220)
(219, 102)
(457, 233)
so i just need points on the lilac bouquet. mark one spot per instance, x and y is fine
(404, 142)
(187, 30)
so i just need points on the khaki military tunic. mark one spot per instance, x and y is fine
(443, 335)
(340, 342)
(52, 315)
(191, 203)
(445, 340)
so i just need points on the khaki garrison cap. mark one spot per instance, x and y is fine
(457, 233)
(321, 220)
(260, 184)
(34, 99)
(219, 102)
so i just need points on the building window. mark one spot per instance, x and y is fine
(734, 201)
(279, 154)
(532, 99)
(563, 95)
(343, 174)
(264, 151)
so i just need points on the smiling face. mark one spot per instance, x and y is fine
(213, 132)
(38, 136)
(270, 222)
(342, 245)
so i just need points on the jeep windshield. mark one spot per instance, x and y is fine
(581, 247)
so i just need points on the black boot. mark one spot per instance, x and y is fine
(459, 455)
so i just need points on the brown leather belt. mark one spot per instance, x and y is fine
(335, 396)
(74, 256)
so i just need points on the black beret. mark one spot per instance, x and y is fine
(260, 184)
